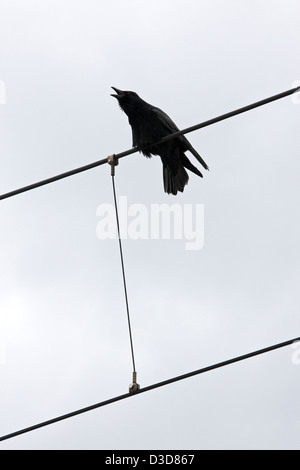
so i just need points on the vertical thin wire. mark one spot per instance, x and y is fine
(123, 273)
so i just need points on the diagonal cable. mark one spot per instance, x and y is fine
(152, 387)
(123, 271)
(138, 149)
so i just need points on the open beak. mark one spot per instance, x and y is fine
(119, 94)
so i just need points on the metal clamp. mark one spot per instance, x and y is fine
(134, 387)
(112, 161)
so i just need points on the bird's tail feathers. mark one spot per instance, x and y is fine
(174, 182)
(196, 155)
(187, 164)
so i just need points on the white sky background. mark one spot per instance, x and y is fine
(63, 326)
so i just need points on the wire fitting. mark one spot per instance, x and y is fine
(134, 387)
(112, 161)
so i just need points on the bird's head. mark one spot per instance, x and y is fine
(128, 100)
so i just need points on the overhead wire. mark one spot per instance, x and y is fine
(150, 387)
(116, 157)
(138, 149)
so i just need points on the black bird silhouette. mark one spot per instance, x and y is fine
(149, 124)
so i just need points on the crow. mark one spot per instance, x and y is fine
(149, 124)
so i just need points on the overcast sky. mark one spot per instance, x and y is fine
(64, 340)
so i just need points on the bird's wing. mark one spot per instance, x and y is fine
(195, 153)
(165, 120)
(171, 127)
(135, 136)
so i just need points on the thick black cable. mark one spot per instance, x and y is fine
(123, 272)
(150, 387)
(164, 139)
